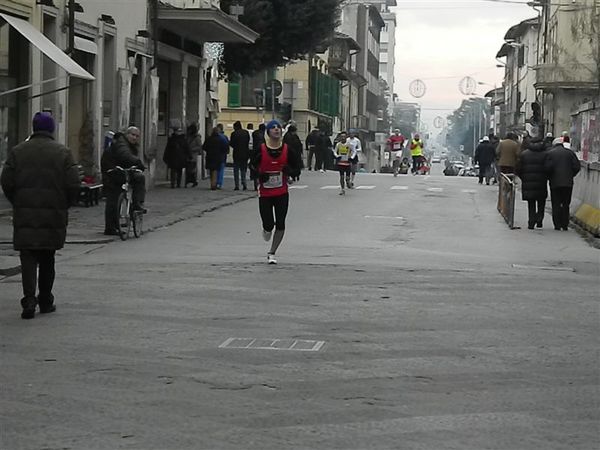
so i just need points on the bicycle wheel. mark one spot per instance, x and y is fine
(138, 221)
(124, 219)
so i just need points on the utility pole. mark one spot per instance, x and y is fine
(273, 98)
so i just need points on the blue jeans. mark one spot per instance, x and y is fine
(221, 175)
(237, 169)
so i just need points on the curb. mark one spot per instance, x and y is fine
(12, 271)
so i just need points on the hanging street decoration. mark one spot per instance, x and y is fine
(417, 88)
(467, 86)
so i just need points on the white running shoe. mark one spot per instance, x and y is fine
(267, 235)
(322, 171)
(271, 259)
(342, 192)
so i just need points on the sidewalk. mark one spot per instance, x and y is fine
(166, 207)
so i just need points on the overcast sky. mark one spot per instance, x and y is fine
(449, 38)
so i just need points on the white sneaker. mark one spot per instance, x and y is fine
(267, 235)
(322, 171)
(271, 259)
(342, 192)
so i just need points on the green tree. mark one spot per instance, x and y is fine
(289, 30)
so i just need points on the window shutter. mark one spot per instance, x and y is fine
(234, 99)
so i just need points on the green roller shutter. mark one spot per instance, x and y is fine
(234, 93)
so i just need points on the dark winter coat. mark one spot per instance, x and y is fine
(561, 166)
(532, 171)
(240, 143)
(294, 143)
(195, 143)
(485, 154)
(177, 152)
(41, 181)
(313, 140)
(508, 152)
(121, 153)
(213, 150)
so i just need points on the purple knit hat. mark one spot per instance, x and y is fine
(43, 121)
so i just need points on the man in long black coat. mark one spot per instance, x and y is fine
(561, 165)
(534, 180)
(41, 181)
(485, 154)
(240, 143)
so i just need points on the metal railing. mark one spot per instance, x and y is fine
(506, 198)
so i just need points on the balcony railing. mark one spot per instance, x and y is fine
(562, 76)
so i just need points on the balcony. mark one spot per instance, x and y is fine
(550, 77)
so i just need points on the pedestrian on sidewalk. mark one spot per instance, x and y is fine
(41, 181)
(508, 152)
(123, 152)
(485, 154)
(224, 153)
(240, 143)
(312, 142)
(294, 144)
(195, 144)
(213, 150)
(561, 166)
(274, 163)
(344, 153)
(258, 138)
(176, 156)
(531, 168)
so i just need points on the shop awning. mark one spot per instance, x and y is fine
(85, 45)
(48, 48)
(205, 25)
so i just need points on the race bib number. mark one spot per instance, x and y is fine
(397, 145)
(275, 180)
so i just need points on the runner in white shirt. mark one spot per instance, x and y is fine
(356, 147)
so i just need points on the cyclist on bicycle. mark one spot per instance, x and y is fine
(123, 152)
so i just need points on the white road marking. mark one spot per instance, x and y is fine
(364, 187)
(298, 186)
(330, 187)
(557, 269)
(469, 191)
(435, 189)
(385, 217)
(399, 188)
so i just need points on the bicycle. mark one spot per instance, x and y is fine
(128, 217)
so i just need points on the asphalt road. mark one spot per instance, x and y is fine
(404, 315)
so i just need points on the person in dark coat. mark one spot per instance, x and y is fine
(195, 143)
(258, 138)
(123, 152)
(294, 143)
(213, 150)
(240, 143)
(561, 166)
(312, 146)
(176, 156)
(485, 155)
(532, 171)
(41, 181)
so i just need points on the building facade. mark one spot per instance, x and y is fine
(140, 62)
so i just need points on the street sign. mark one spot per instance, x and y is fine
(275, 85)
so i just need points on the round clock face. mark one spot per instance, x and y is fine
(467, 86)
(417, 88)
